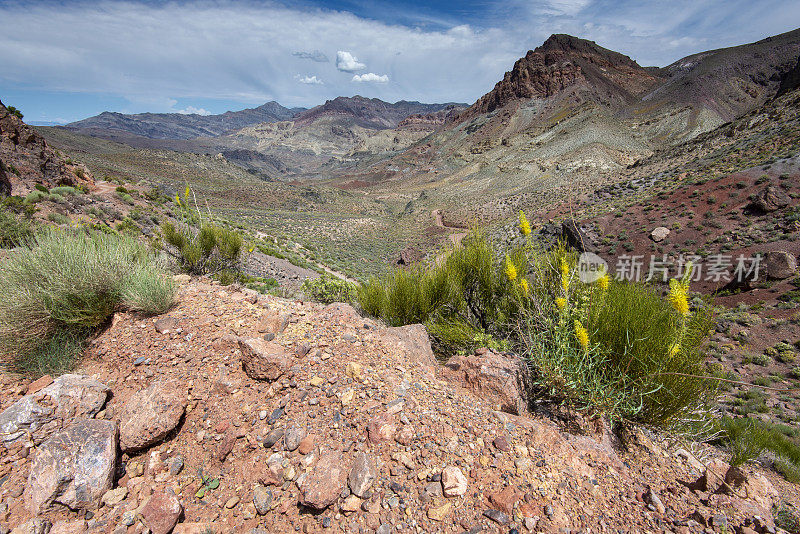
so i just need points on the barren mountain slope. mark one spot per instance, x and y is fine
(177, 125)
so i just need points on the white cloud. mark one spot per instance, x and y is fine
(191, 110)
(371, 77)
(241, 51)
(308, 80)
(347, 62)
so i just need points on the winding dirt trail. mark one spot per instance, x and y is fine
(455, 238)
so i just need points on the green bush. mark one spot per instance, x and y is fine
(14, 230)
(58, 218)
(209, 250)
(464, 296)
(607, 347)
(14, 111)
(328, 288)
(64, 284)
(747, 438)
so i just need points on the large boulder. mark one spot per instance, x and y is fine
(323, 484)
(780, 264)
(659, 233)
(770, 199)
(497, 377)
(150, 415)
(45, 411)
(263, 360)
(73, 468)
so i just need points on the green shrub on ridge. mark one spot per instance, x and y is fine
(63, 284)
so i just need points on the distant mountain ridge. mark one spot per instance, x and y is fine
(183, 126)
(370, 112)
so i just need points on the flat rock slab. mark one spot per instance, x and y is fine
(151, 414)
(41, 413)
(73, 468)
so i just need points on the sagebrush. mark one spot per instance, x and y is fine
(63, 284)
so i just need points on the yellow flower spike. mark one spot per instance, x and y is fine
(177, 199)
(564, 275)
(677, 297)
(186, 193)
(603, 282)
(582, 335)
(524, 226)
(524, 285)
(561, 302)
(675, 349)
(511, 270)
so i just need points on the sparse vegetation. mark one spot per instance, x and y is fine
(328, 288)
(201, 246)
(14, 229)
(46, 313)
(14, 111)
(749, 438)
(607, 347)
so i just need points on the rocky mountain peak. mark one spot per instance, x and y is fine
(562, 62)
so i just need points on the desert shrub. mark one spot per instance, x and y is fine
(608, 347)
(463, 296)
(14, 111)
(747, 438)
(58, 218)
(65, 190)
(35, 196)
(613, 346)
(126, 198)
(64, 284)
(328, 288)
(200, 245)
(14, 230)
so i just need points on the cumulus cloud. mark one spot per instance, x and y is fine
(347, 62)
(316, 55)
(371, 77)
(191, 110)
(308, 80)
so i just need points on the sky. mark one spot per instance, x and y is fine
(65, 60)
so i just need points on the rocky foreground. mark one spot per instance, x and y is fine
(238, 412)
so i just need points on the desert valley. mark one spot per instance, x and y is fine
(364, 316)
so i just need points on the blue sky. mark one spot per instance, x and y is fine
(66, 60)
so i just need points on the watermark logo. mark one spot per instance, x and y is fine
(591, 267)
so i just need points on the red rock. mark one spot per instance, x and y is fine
(263, 360)
(307, 444)
(323, 484)
(73, 468)
(151, 414)
(505, 499)
(40, 383)
(501, 443)
(161, 513)
(492, 376)
(226, 446)
(381, 429)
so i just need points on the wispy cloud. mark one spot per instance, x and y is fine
(347, 62)
(308, 80)
(316, 55)
(243, 52)
(371, 77)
